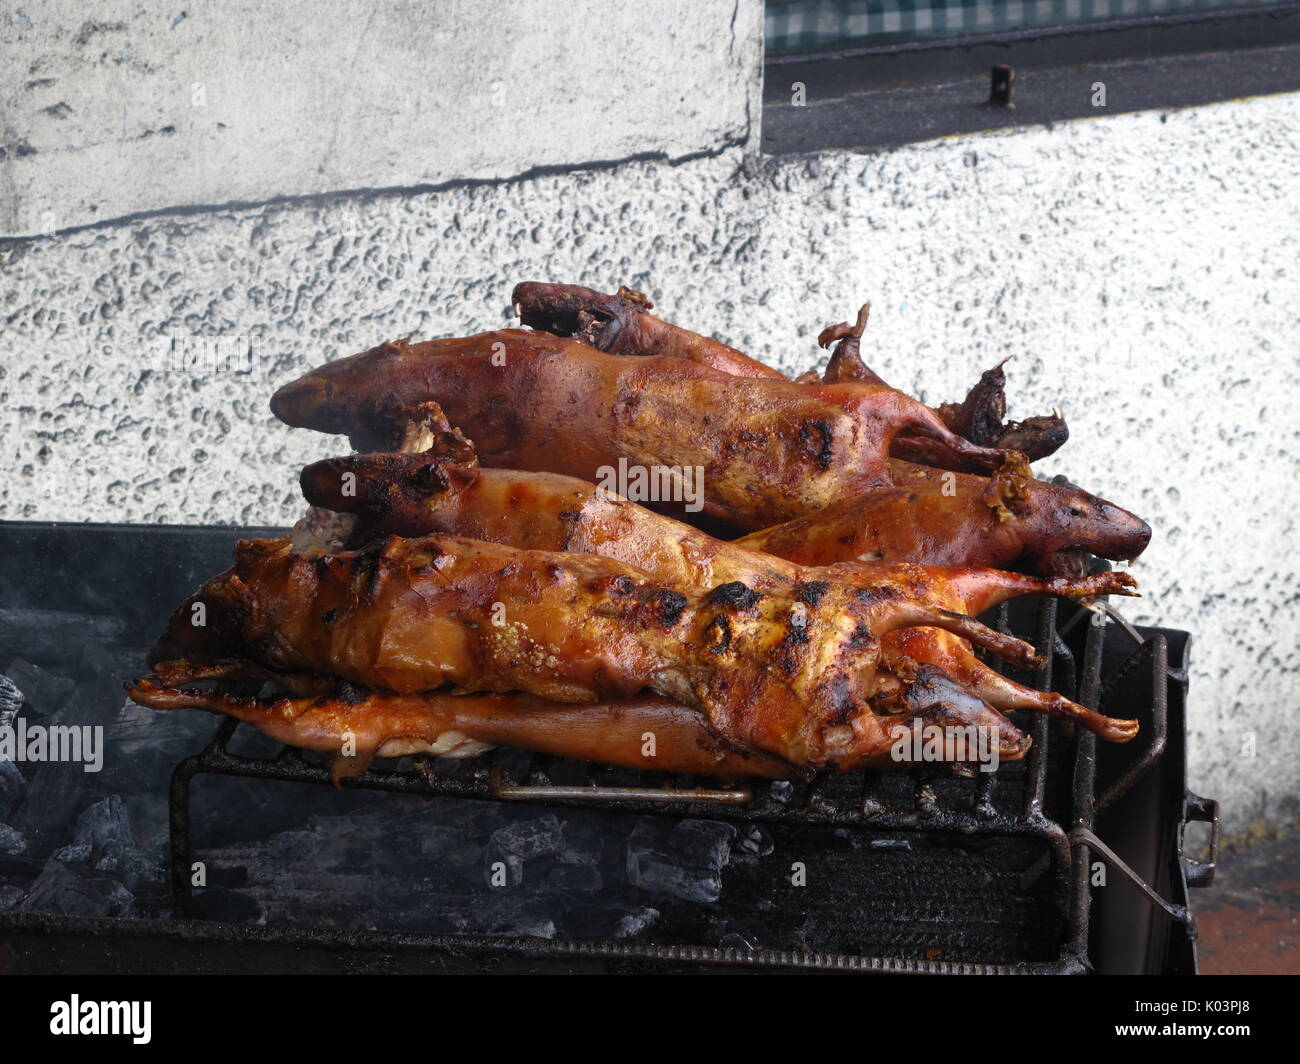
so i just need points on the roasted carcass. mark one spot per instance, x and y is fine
(622, 324)
(767, 450)
(416, 494)
(646, 731)
(521, 604)
(941, 517)
(791, 671)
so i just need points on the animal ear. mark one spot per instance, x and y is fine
(1009, 494)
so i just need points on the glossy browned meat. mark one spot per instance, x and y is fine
(380, 724)
(791, 672)
(940, 517)
(621, 324)
(767, 449)
(413, 494)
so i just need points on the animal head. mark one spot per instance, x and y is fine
(1062, 524)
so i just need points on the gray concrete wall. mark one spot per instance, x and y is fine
(110, 109)
(1144, 270)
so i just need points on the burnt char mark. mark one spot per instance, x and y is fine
(815, 439)
(861, 637)
(880, 593)
(812, 592)
(796, 634)
(370, 567)
(431, 477)
(717, 634)
(735, 595)
(349, 693)
(622, 585)
(370, 574)
(840, 702)
(788, 652)
(329, 616)
(669, 605)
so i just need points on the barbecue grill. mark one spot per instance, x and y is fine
(899, 873)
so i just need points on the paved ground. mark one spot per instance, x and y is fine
(1249, 920)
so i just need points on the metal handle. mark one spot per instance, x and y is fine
(504, 789)
(1203, 810)
(1081, 836)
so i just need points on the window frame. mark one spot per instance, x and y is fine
(882, 96)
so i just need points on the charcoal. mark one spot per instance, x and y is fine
(749, 884)
(294, 847)
(143, 745)
(455, 858)
(530, 838)
(73, 890)
(517, 843)
(43, 690)
(636, 922)
(496, 861)
(584, 879)
(12, 842)
(10, 897)
(55, 789)
(515, 916)
(685, 863)
(11, 701)
(753, 842)
(706, 843)
(45, 635)
(781, 790)
(11, 787)
(584, 840)
(104, 841)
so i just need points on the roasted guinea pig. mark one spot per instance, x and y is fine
(416, 494)
(793, 672)
(769, 450)
(647, 731)
(940, 517)
(622, 324)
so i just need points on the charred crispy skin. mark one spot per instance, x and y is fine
(768, 449)
(380, 724)
(939, 517)
(980, 418)
(414, 494)
(791, 672)
(622, 324)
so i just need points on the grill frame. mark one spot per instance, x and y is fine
(486, 783)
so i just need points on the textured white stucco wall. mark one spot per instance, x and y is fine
(110, 108)
(1144, 270)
